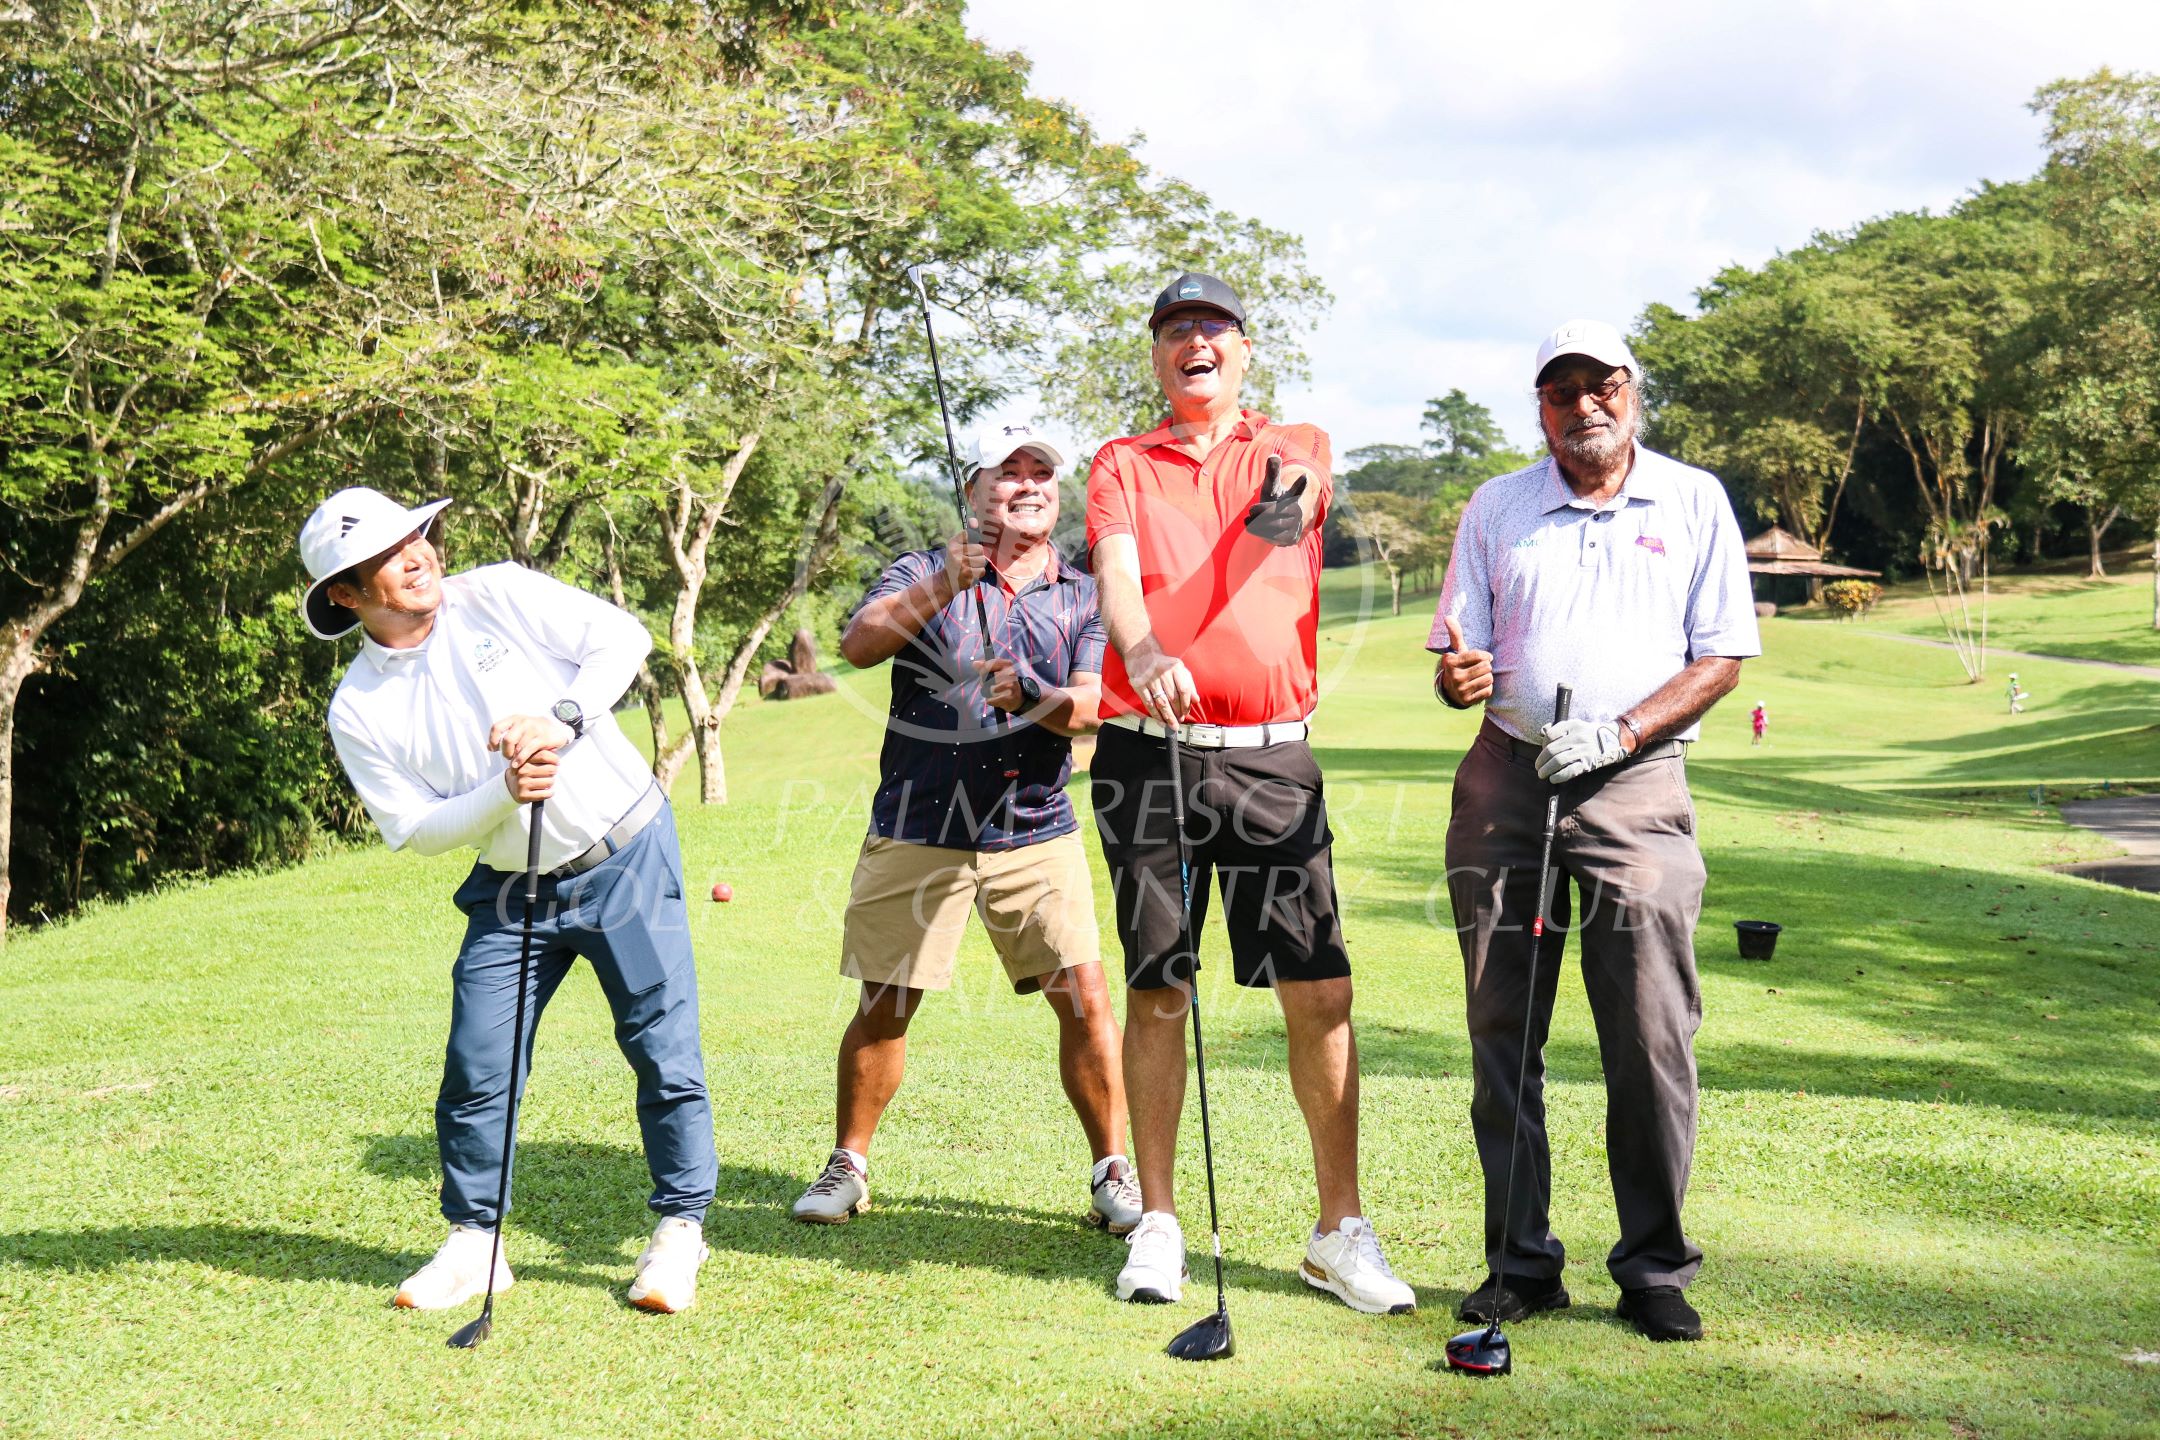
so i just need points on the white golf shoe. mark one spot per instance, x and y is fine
(836, 1196)
(1154, 1272)
(1114, 1195)
(667, 1272)
(457, 1274)
(1348, 1265)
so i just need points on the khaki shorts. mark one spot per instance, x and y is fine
(908, 907)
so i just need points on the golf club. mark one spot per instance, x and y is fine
(1209, 1338)
(967, 517)
(1486, 1351)
(471, 1335)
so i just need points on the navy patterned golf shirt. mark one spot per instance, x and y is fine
(941, 772)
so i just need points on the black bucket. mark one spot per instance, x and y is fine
(1758, 938)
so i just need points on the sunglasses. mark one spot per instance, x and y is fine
(1563, 393)
(1183, 329)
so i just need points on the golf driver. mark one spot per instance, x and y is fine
(1209, 1338)
(1486, 1351)
(967, 517)
(469, 1336)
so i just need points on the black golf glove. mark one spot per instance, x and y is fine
(1275, 516)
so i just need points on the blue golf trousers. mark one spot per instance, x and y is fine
(626, 916)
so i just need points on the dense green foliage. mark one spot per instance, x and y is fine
(625, 279)
(1933, 390)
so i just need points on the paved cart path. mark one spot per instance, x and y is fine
(2150, 672)
(2131, 821)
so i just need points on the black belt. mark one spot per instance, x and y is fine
(620, 834)
(1529, 750)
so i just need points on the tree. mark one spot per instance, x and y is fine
(201, 280)
(2101, 415)
(1771, 384)
(1393, 529)
(1462, 430)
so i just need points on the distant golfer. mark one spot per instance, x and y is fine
(1206, 539)
(950, 832)
(470, 697)
(1759, 719)
(1621, 573)
(2018, 695)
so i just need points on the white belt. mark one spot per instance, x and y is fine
(1217, 737)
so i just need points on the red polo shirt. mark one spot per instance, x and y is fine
(1242, 614)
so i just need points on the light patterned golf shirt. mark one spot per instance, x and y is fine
(1613, 600)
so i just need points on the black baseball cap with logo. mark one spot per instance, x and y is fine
(1193, 288)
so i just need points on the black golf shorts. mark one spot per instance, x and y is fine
(1256, 820)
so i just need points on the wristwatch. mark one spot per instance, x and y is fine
(568, 712)
(1030, 690)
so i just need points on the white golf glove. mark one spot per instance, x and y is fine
(1577, 747)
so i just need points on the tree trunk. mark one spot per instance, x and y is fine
(2096, 528)
(1394, 581)
(16, 664)
(711, 763)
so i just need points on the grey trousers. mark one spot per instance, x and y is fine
(1627, 839)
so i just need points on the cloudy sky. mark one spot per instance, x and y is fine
(1467, 176)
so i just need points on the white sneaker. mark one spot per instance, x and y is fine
(836, 1196)
(667, 1271)
(458, 1272)
(1114, 1196)
(1348, 1265)
(1154, 1272)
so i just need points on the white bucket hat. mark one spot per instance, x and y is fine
(993, 445)
(346, 529)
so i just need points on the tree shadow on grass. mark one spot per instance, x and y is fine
(585, 1200)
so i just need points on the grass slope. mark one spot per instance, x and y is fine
(1930, 1141)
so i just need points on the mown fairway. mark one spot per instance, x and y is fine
(1928, 1177)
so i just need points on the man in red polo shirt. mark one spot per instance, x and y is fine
(1205, 534)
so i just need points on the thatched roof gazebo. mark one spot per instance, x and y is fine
(1774, 552)
(1777, 553)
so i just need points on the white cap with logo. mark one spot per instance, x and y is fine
(1593, 339)
(992, 445)
(346, 529)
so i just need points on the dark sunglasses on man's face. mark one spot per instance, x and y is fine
(1182, 329)
(1563, 393)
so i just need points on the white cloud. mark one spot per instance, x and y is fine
(1466, 176)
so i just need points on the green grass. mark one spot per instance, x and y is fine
(1930, 1144)
(2047, 612)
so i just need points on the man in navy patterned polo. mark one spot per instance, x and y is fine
(971, 811)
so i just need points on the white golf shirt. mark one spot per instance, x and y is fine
(411, 726)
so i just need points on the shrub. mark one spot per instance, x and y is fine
(1851, 598)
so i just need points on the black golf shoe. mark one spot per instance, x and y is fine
(1515, 1296)
(1660, 1312)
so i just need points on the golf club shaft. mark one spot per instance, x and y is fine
(960, 501)
(1562, 699)
(1192, 949)
(517, 1050)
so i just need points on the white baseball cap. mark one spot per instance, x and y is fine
(346, 529)
(1593, 338)
(992, 445)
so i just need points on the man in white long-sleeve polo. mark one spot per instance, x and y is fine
(471, 697)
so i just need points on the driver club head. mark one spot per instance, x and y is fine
(1483, 1351)
(1205, 1339)
(469, 1337)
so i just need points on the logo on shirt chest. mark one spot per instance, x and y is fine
(488, 652)
(1651, 543)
